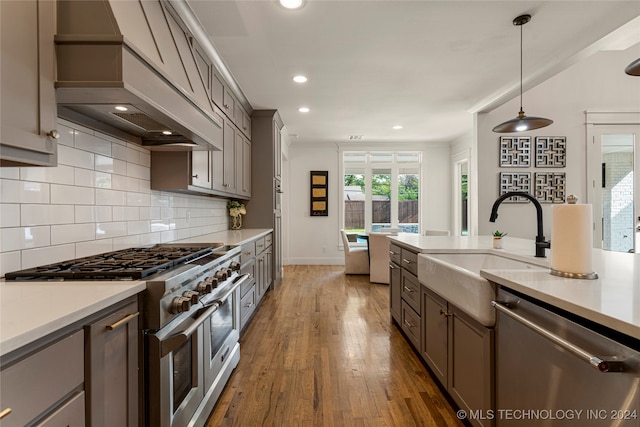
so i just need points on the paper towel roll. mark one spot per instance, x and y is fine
(572, 239)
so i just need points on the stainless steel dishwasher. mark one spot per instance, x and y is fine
(555, 371)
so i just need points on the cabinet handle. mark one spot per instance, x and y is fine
(445, 313)
(408, 289)
(5, 412)
(226, 106)
(391, 267)
(409, 324)
(406, 261)
(54, 134)
(391, 253)
(195, 176)
(225, 185)
(249, 305)
(123, 321)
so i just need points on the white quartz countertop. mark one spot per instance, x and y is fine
(32, 310)
(612, 300)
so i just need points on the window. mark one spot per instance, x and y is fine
(381, 189)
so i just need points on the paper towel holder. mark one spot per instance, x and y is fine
(572, 200)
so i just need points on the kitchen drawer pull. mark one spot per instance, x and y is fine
(123, 321)
(249, 305)
(4, 413)
(406, 261)
(445, 313)
(391, 253)
(409, 324)
(391, 266)
(603, 365)
(408, 289)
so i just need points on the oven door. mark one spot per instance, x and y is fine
(222, 332)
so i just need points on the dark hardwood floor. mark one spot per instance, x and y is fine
(321, 351)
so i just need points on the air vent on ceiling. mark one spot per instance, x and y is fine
(356, 137)
(142, 121)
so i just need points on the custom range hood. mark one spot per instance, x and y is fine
(130, 69)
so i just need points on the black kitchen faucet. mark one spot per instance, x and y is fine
(541, 243)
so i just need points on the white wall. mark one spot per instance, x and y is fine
(596, 84)
(97, 199)
(316, 240)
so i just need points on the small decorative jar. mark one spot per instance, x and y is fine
(236, 222)
(498, 243)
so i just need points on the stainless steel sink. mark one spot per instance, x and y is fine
(456, 277)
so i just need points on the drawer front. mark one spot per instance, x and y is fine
(395, 254)
(411, 290)
(268, 240)
(411, 324)
(32, 386)
(247, 252)
(260, 245)
(248, 268)
(410, 261)
(247, 306)
(71, 414)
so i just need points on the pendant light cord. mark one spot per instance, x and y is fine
(521, 68)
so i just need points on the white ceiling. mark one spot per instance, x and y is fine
(425, 65)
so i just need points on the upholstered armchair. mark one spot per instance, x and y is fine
(379, 254)
(356, 259)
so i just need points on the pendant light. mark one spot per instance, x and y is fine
(522, 122)
(633, 69)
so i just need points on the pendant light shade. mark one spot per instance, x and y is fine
(633, 69)
(522, 122)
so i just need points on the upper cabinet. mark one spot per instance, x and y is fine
(27, 69)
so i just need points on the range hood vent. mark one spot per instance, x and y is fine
(138, 57)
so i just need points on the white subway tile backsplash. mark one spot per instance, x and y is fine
(9, 173)
(144, 186)
(104, 164)
(48, 255)
(126, 183)
(106, 230)
(145, 159)
(125, 153)
(66, 135)
(18, 238)
(46, 214)
(92, 143)
(138, 227)
(89, 178)
(72, 233)
(58, 175)
(119, 167)
(126, 242)
(93, 247)
(138, 199)
(137, 171)
(74, 157)
(9, 215)
(147, 212)
(126, 213)
(150, 239)
(72, 195)
(9, 261)
(13, 191)
(110, 197)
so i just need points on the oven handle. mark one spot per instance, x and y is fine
(175, 341)
(605, 364)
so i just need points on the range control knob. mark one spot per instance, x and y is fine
(235, 266)
(180, 305)
(192, 296)
(212, 281)
(204, 287)
(229, 272)
(221, 275)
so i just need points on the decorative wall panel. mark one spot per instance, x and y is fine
(551, 151)
(550, 187)
(515, 181)
(515, 151)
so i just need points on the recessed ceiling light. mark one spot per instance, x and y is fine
(291, 4)
(304, 109)
(300, 79)
(120, 108)
(167, 132)
(397, 127)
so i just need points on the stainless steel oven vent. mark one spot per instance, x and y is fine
(142, 121)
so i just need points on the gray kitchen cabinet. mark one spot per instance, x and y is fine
(217, 88)
(405, 302)
(224, 162)
(27, 73)
(45, 385)
(459, 351)
(395, 283)
(255, 259)
(264, 266)
(112, 367)
(264, 211)
(243, 165)
(229, 104)
(201, 169)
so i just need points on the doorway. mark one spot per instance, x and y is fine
(614, 174)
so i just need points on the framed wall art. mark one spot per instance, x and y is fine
(551, 151)
(319, 196)
(515, 181)
(515, 151)
(550, 187)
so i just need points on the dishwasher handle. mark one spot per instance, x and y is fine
(606, 364)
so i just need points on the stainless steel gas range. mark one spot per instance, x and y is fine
(190, 322)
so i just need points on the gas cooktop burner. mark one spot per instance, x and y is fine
(126, 264)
